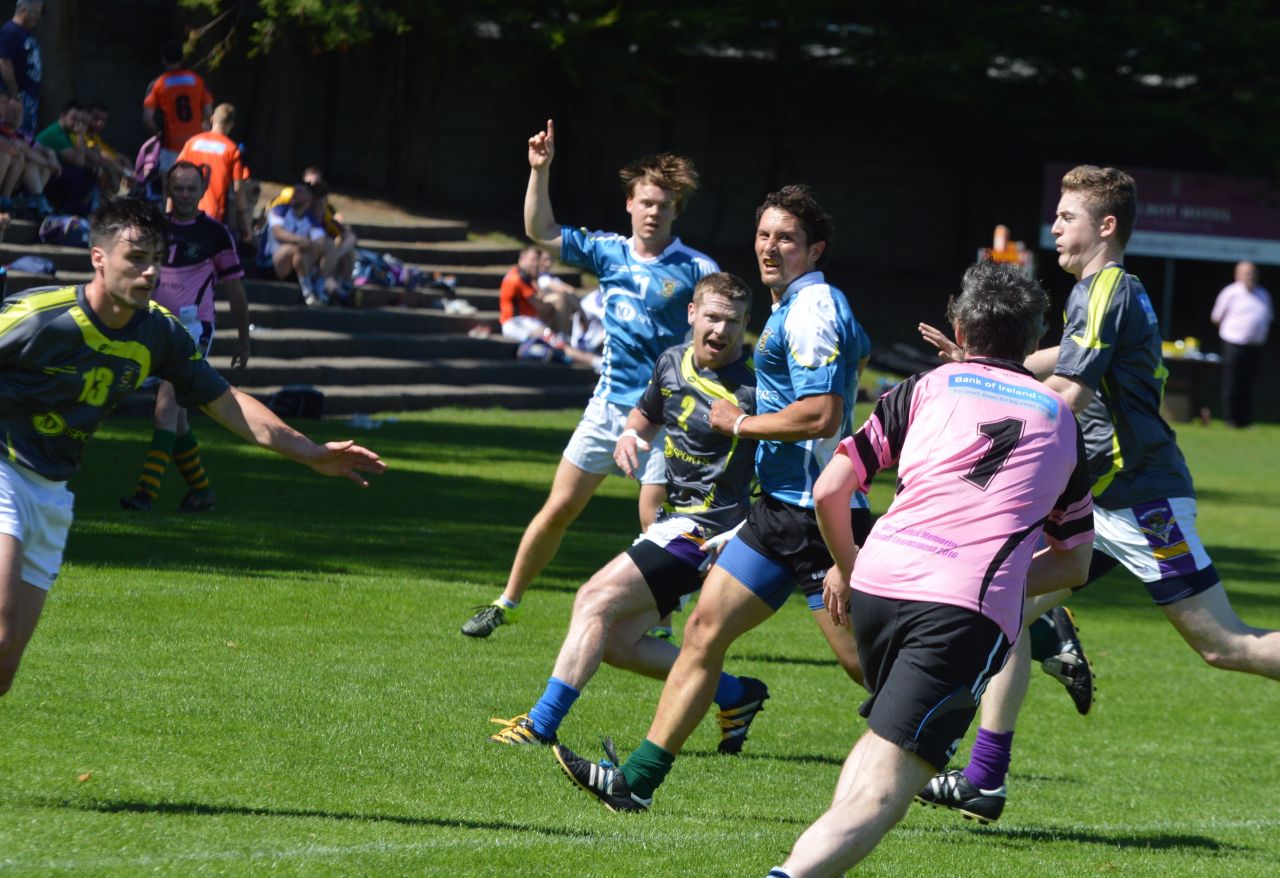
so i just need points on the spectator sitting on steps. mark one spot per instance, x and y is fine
(295, 243)
(39, 164)
(75, 190)
(527, 317)
(114, 168)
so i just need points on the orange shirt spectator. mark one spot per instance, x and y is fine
(179, 94)
(516, 296)
(218, 157)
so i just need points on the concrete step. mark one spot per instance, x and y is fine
(394, 319)
(420, 231)
(448, 252)
(296, 343)
(370, 371)
(22, 231)
(489, 277)
(64, 259)
(344, 401)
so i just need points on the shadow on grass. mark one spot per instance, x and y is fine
(276, 517)
(1121, 839)
(786, 660)
(200, 809)
(798, 758)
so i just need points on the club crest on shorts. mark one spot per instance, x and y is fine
(1158, 523)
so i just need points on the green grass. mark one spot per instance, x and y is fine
(279, 688)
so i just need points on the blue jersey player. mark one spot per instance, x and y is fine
(807, 362)
(647, 281)
(68, 356)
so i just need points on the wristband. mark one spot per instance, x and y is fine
(632, 433)
(738, 423)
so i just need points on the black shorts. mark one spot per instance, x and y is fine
(790, 535)
(860, 522)
(927, 665)
(668, 576)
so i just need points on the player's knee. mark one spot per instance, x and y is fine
(702, 633)
(1224, 656)
(594, 600)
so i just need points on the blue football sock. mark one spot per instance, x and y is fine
(551, 708)
(730, 690)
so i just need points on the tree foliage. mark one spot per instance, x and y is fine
(1200, 74)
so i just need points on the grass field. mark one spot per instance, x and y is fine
(279, 688)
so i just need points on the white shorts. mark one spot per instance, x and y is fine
(36, 512)
(522, 328)
(591, 446)
(1155, 540)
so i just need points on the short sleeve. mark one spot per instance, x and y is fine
(1092, 328)
(650, 404)
(578, 247)
(813, 342)
(195, 382)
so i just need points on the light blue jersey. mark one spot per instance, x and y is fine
(646, 304)
(811, 345)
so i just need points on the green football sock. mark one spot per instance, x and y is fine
(156, 462)
(186, 454)
(646, 768)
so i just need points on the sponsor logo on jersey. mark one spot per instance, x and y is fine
(49, 423)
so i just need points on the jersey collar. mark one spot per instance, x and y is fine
(804, 280)
(631, 248)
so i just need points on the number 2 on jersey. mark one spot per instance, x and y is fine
(1004, 435)
(687, 405)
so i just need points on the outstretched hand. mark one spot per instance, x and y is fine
(348, 460)
(542, 147)
(948, 351)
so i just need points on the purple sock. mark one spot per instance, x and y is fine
(989, 761)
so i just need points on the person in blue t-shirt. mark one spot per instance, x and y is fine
(20, 66)
(647, 281)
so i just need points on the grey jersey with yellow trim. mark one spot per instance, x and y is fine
(62, 370)
(709, 474)
(1111, 342)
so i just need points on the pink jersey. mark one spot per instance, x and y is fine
(201, 255)
(988, 458)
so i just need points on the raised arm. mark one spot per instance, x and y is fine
(254, 422)
(539, 219)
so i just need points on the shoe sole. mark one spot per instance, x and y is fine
(967, 815)
(586, 789)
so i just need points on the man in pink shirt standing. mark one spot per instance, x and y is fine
(1243, 314)
(988, 460)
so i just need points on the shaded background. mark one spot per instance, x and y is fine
(920, 125)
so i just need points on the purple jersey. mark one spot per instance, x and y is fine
(200, 255)
(987, 458)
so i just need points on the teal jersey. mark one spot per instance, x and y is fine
(811, 346)
(1111, 342)
(62, 371)
(709, 474)
(646, 304)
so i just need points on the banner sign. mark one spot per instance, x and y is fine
(1191, 215)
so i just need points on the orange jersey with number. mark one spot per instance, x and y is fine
(218, 158)
(182, 97)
